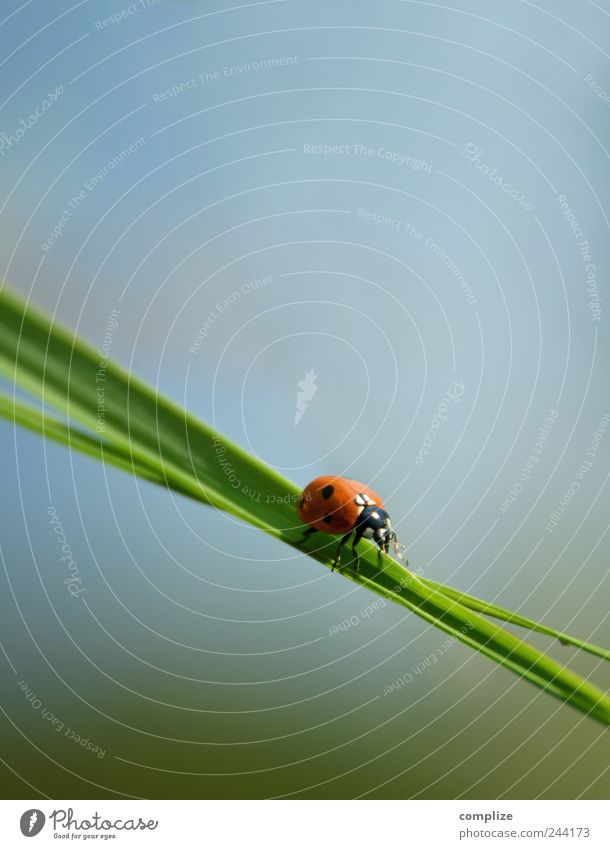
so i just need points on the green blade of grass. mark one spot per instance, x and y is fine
(59, 368)
(540, 671)
(152, 434)
(497, 612)
(51, 428)
(48, 427)
(477, 632)
(34, 420)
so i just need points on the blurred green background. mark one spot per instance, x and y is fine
(419, 193)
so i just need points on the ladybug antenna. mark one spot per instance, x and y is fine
(398, 551)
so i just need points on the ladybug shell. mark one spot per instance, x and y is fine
(330, 503)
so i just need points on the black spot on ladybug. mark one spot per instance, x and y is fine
(328, 519)
(327, 492)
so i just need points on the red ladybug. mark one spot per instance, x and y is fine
(336, 505)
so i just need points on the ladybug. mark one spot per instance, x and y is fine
(336, 505)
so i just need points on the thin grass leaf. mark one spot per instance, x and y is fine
(34, 420)
(153, 434)
(57, 367)
(553, 683)
(48, 427)
(515, 618)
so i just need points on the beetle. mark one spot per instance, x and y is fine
(338, 505)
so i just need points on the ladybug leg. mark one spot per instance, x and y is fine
(337, 560)
(358, 536)
(306, 535)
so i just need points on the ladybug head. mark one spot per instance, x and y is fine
(386, 537)
(374, 524)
